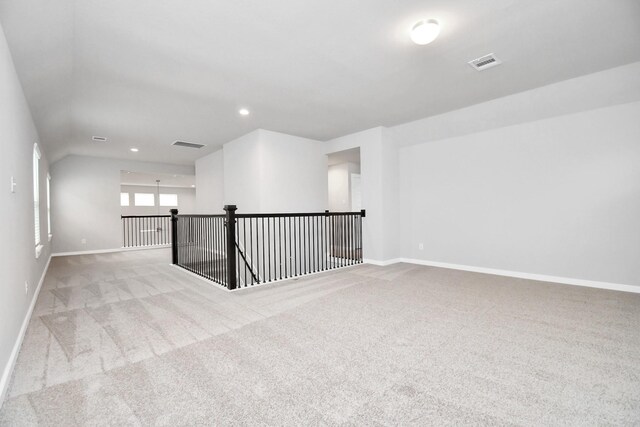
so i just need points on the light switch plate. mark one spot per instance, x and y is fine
(13, 185)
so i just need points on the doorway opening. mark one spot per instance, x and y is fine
(344, 179)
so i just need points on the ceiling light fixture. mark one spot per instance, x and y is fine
(424, 32)
(135, 150)
(243, 112)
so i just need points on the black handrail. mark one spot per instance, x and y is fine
(362, 214)
(201, 216)
(145, 216)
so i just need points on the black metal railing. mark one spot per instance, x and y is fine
(265, 247)
(200, 245)
(146, 230)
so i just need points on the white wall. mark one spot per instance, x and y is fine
(268, 171)
(391, 207)
(186, 200)
(17, 252)
(338, 190)
(242, 166)
(339, 183)
(378, 169)
(449, 182)
(210, 183)
(86, 200)
(541, 182)
(293, 173)
(558, 197)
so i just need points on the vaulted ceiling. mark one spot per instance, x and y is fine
(145, 73)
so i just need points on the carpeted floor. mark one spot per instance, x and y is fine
(126, 339)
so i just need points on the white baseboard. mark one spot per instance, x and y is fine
(108, 251)
(530, 276)
(382, 263)
(11, 363)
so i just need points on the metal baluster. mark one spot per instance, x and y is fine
(245, 259)
(280, 246)
(300, 240)
(314, 238)
(352, 254)
(290, 247)
(264, 267)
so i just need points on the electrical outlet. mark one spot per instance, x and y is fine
(26, 288)
(421, 246)
(83, 241)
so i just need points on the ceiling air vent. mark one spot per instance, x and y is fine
(187, 144)
(485, 62)
(99, 138)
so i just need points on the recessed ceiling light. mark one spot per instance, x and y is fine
(135, 150)
(193, 185)
(424, 32)
(243, 112)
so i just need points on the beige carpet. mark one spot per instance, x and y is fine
(126, 339)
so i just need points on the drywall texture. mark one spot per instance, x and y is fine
(210, 183)
(559, 196)
(18, 263)
(186, 200)
(268, 171)
(86, 200)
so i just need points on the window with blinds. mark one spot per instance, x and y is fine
(49, 206)
(36, 194)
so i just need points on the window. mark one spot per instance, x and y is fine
(124, 199)
(36, 198)
(168, 200)
(145, 199)
(49, 206)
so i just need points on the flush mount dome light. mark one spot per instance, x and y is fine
(424, 32)
(243, 112)
(135, 150)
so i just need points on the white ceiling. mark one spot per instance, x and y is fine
(140, 178)
(147, 72)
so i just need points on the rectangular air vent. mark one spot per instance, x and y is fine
(485, 62)
(99, 138)
(187, 144)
